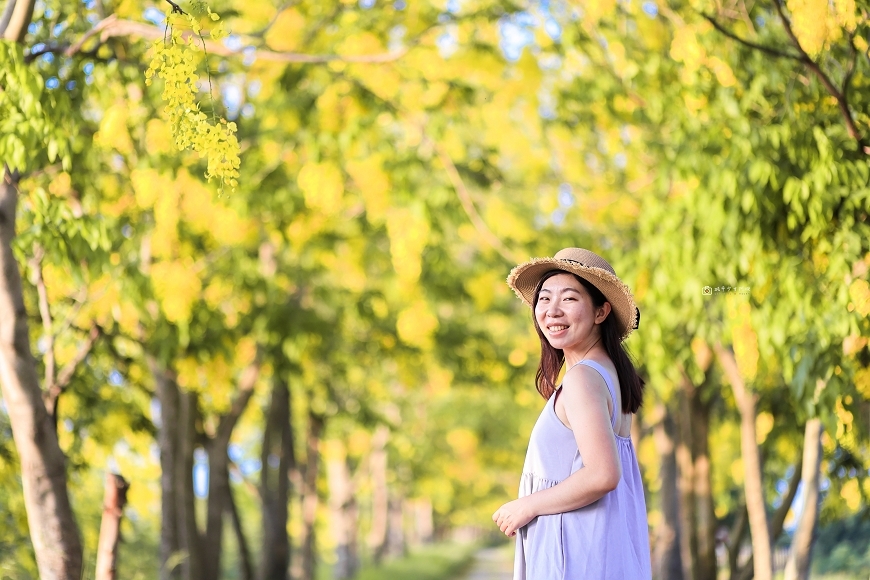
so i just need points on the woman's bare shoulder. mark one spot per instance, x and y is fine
(582, 380)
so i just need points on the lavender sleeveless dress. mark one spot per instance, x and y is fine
(608, 539)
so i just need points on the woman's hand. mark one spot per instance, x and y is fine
(512, 516)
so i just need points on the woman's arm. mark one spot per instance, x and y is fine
(584, 396)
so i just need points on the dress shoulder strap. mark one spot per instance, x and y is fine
(605, 374)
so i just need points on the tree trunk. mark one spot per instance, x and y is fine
(421, 514)
(219, 474)
(218, 492)
(110, 527)
(277, 458)
(246, 570)
(168, 439)
(697, 519)
(380, 494)
(309, 494)
(343, 511)
(776, 523)
(185, 506)
(753, 485)
(686, 481)
(667, 548)
(53, 530)
(735, 543)
(798, 566)
(15, 28)
(396, 545)
(705, 516)
(176, 481)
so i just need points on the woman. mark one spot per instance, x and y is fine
(581, 512)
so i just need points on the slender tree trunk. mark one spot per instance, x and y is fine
(421, 514)
(219, 474)
(778, 519)
(168, 439)
(110, 527)
(277, 458)
(177, 438)
(218, 493)
(753, 485)
(343, 513)
(798, 566)
(185, 507)
(396, 545)
(667, 549)
(246, 570)
(309, 494)
(19, 17)
(53, 529)
(380, 494)
(686, 481)
(705, 517)
(735, 543)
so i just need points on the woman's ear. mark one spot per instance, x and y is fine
(602, 312)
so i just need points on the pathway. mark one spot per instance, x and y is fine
(492, 564)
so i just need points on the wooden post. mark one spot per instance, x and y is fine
(110, 528)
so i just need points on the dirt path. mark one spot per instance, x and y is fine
(492, 564)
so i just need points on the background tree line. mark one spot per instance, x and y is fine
(325, 366)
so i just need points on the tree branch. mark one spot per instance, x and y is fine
(112, 27)
(853, 61)
(249, 485)
(176, 9)
(840, 96)
(246, 389)
(765, 49)
(44, 314)
(778, 519)
(66, 373)
(467, 203)
(74, 311)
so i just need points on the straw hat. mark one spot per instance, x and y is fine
(587, 265)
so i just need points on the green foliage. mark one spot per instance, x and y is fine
(33, 121)
(843, 546)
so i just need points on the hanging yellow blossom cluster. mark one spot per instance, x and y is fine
(176, 58)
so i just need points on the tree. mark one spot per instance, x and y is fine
(34, 116)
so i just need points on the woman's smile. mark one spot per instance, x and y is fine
(557, 329)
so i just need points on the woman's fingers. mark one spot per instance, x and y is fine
(506, 526)
(503, 520)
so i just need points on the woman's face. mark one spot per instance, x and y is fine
(565, 313)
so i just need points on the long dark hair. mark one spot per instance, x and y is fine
(552, 359)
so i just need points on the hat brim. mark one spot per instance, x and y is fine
(524, 278)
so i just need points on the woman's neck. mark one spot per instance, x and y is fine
(575, 355)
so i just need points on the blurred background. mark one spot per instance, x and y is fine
(314, 369)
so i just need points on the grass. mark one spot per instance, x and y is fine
(436, 562)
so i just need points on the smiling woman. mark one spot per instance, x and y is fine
(581, 510)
